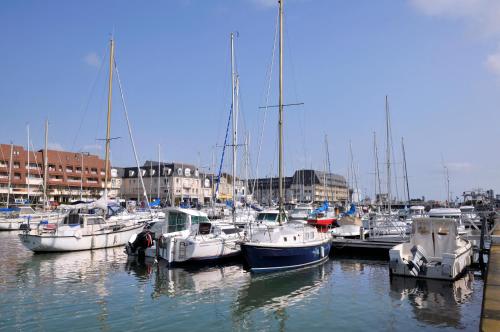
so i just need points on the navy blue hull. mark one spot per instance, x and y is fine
(265, 259)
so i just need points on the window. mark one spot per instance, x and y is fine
(197, 219)
(176, 221)
(16, 164)
(17, 176)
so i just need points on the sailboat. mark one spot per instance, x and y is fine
(284, 245)
(100, 224)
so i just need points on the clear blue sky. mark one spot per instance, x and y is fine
(437, 60)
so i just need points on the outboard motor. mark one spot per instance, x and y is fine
(417, 264)
(140, 242)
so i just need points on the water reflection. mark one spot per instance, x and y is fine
(175, 282)
(274, 293)
(48, 284)
(434, 302)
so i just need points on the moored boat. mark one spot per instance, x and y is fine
(435, 251)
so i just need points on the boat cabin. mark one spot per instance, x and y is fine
(436, 236)
(269, 217)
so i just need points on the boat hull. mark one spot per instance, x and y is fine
(262, 258)
(58, 243)
(450, 267)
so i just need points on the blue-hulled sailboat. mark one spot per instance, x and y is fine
(284, 245)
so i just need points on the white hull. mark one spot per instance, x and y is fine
(178, 250)
(75, 242)
(435, 251)
(348, 231)
(448, 268)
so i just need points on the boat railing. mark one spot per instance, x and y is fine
(386, 226)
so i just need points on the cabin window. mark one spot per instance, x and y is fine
(176, 221)
(198, 219)
(204, 228)
(284, 239)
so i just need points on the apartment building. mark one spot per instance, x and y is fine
(71, 175)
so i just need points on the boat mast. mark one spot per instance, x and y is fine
(329, 168)
(235, 137)
(108, 125)
(45, 165)
(159, 170)
(405, 170)
(10, 172)
(280, 123)
(388, 153)
(81, 177)
(377, 169)
(28, 168)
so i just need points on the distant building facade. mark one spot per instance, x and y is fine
(304, 186)
(177, 182)
(71, 175)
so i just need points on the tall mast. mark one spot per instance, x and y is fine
(108, 125)
(45, 165)
(280, 123)
(388, 153)
(405, 170)
(81, 177)
(28, 168)
(377, 169)
(329, 167)
(159, 171)
(10, 172)
(353, 173)
(235, 137)
(212, 181)
(247, 161)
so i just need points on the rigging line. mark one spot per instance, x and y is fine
(393, 158)
(270, 72)
(37, 164)
(145, 194)
(94, 84)
(63, 171)
(4, 159)
(223, 152)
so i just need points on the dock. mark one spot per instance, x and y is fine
(490, 315)
(378, 247)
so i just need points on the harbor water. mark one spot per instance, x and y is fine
(104, 290)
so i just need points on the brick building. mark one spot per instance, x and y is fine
(71, 175)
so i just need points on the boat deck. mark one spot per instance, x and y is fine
(490, 316)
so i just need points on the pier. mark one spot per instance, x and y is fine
(378, 247)
(490, 316)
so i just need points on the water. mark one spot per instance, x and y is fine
(103, 290)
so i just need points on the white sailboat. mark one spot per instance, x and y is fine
(284, 245)
(100, 224)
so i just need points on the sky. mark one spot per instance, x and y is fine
(438, 61)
